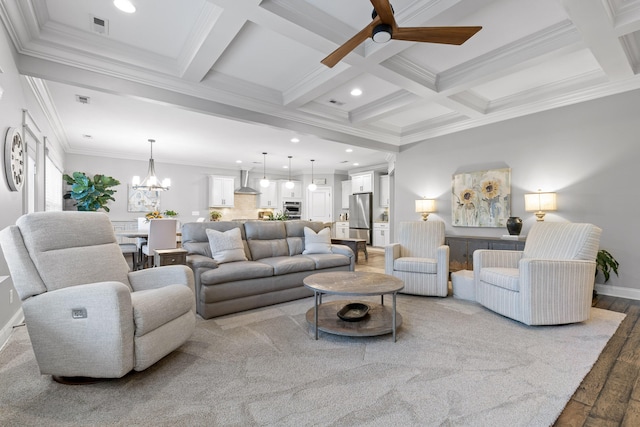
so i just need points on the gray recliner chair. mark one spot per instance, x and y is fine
(86, 314)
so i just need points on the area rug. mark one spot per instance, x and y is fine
(454, 363)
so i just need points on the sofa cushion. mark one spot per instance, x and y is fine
(198, 248)
(296, 245)
(268, 248)
(226, 246)
(506, 278)
(328, 260)
(289, 264)
(317, 243)
(416, 265)
(234, 271)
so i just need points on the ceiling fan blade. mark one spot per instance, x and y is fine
(334, 57)
(444, 35)
(384, 11)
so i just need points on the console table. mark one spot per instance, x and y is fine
(461, 249)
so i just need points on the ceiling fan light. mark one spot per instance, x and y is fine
(381, 33)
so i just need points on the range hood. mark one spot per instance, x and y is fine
(244, 184)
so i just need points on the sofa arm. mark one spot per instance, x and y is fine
(200, 261)
(157, 277)
(84, 330)
(442, 267)
(391, 253)
(483, 258)
(346, 251)
(556, 291)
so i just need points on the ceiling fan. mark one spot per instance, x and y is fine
(384, 28)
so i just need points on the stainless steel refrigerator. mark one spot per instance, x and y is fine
(360, 212)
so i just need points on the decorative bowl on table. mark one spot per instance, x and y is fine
(353, 312)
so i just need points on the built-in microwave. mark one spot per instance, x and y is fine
(292, 210)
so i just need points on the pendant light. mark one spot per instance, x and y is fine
(312, 186)
(289, 183)
(151, 181)
(264, 182)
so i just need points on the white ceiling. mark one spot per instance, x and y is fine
(216, 81)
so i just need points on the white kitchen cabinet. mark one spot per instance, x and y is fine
(342, 230)
(384, 191)
(268, 197)
(294, 193)
(362, 182)
(346, 192)
(381, 234)
(221, 190)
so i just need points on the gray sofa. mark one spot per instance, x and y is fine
(274, 270)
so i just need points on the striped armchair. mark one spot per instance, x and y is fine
(549, 283)
(420, 258)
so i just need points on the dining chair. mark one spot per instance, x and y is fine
(162, 235)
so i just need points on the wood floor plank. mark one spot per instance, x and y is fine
(614, 398)
(575, 414)
(632, 415)
(590, 388)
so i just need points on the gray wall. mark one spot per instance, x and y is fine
(587, 153)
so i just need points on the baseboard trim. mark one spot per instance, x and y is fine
(618, 291)
(6, 330)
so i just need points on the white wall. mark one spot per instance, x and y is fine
(587, 153)
(15, 98)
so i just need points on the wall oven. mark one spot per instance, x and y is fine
(292, 210)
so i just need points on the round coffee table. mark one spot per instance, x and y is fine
(379, 320)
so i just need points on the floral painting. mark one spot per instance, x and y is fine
(481, 199)
(142, 200)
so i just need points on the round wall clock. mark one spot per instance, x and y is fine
(14, 159)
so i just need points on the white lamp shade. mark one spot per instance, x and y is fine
(289, 185)
(425, 205)
(312, 187)
(540, 202)
(264, 183)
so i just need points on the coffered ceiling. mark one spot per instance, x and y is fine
(216, 81)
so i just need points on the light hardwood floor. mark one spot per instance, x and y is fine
(610, 394)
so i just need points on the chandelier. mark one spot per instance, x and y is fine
(151, 182)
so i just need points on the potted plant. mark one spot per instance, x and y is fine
(170, 213)
(215, 215)
(90, 194)
(605, 263)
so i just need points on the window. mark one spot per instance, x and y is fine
(52, 186)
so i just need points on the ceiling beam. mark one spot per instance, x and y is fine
(593, 21)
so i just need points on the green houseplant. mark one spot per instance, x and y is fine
(89, 193)
(606, 263)
(215, 215)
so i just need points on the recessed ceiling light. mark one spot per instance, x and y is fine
(356, 91)
(295, 140)
(124, 5)
(285, 167)
(238, 161)
(356, 164)
(349, 150)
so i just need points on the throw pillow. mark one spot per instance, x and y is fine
(226, 246)
(317, 243)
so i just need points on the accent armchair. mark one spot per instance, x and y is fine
(420, 258)
(549, 283)
(87, 315)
